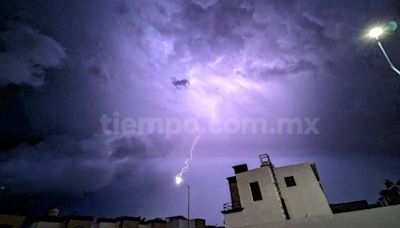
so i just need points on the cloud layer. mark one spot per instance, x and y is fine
(26, 55)
(64, 64)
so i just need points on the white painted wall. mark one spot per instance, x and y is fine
(107, 225)
(263, 211)
(384, 217)
(306, 199)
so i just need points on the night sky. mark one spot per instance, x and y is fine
(65, 64)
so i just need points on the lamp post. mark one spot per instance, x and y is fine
(188, 205)
(376, 33)
(2, 189)
(178, 181)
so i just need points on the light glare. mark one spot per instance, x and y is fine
(178, 180)
(375, 32)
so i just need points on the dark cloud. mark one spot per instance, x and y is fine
(93, 160)
(26, 55)
(64, 64)
(75, 174)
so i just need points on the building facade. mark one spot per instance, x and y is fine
(11, 221)
(272, 194)
(292, 196)
(53, 220)
(390, 195)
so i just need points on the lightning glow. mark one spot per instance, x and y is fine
(210, 94)
(185, 168)
(178, 180)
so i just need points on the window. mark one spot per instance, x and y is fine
(290, 181)
(255, 191)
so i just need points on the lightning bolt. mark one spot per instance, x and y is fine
(185, 168)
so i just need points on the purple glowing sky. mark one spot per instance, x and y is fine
(64, 64)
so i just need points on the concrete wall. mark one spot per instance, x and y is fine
(178, 223)
(79, 223)
(306, 199)
(198, 223)
(174, 224)
(157, 225)
(385, 217)
(47, 225)
(128, 224)
(106, 225)
(182, 223)
(263, 211)
(14, 221)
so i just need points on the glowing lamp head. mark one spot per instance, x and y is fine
(375, 32)
(178, 180)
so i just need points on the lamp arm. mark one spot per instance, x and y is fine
(387, 58)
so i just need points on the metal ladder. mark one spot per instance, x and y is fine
(266, 161)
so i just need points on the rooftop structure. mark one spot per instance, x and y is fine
(272, 196)
(53, 220)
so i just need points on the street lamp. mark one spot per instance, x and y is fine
(178, 181)
(376, 33)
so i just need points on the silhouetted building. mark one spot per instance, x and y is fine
(128, 222)
(156, 223)
(11, 221)
(74, 221)
(390, 195)
(47, 222)
(106, 223)
(349, 206)
(53, 220)
(181, 222)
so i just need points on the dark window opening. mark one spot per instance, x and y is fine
(255, 191)
(290, 181)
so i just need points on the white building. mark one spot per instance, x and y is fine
(182, 222)
(269, 194)
(287, 196)
(47, 222)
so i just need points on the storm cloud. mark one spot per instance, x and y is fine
(65, 64)
(26, 55)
